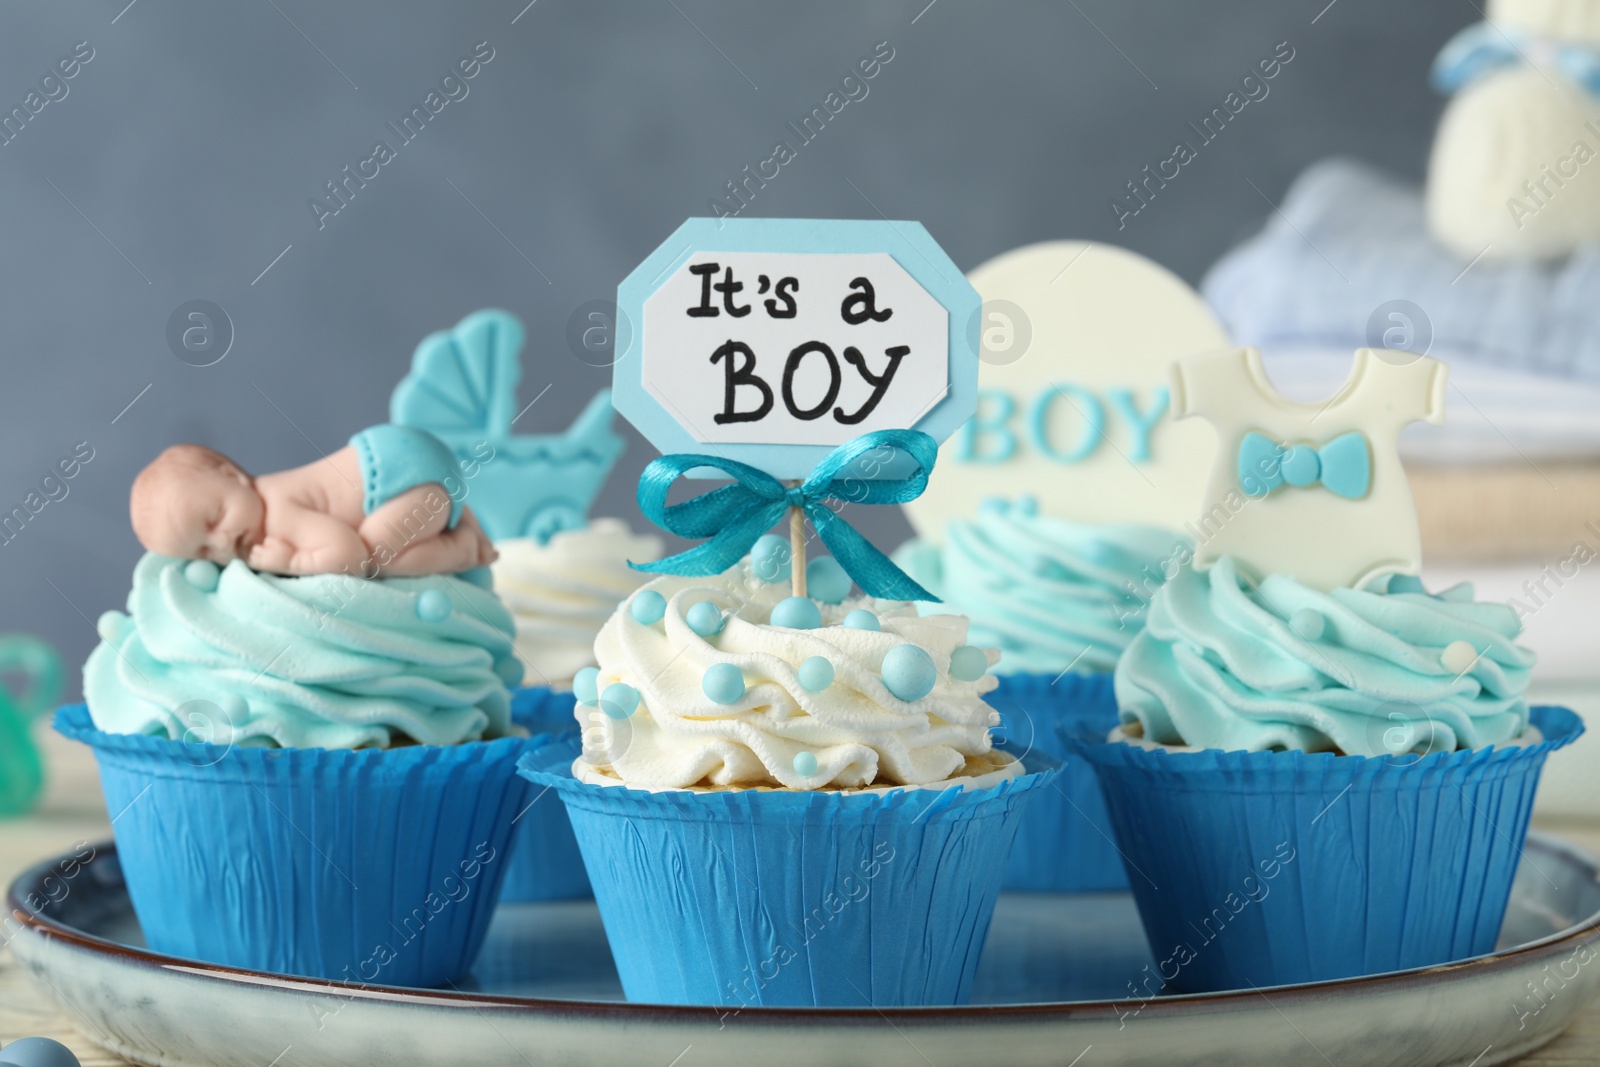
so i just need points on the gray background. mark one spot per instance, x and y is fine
(181, 161)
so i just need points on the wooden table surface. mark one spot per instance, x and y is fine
(72, 812)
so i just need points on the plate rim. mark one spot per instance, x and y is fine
(1175, 1004)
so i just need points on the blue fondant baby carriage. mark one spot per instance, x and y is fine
(463, 388)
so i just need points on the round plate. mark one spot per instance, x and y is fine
(1062, 977)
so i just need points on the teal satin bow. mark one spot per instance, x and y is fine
(1482, 48)
(734, 516)
(1343, 466)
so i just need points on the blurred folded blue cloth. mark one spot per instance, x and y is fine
(1349, 240)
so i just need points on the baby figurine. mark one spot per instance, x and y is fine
(381, 505)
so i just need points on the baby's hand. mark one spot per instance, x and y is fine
(273, 554)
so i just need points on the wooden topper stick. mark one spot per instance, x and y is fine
(797, 549)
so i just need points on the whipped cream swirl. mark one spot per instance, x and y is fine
(1225, 664)
(324, 661)
(562, 592)
(1051, 594)
(858, 733)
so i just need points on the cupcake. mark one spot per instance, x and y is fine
(307, 775)
(562, 591)
(1310, 784)
(1061, 600)
(560, 572)
(768, 787)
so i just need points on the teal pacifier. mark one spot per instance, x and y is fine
(34, 670)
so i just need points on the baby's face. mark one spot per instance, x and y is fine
(216, 515)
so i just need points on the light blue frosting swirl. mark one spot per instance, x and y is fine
(1051, 594)
(1219, 665)
(327, 661)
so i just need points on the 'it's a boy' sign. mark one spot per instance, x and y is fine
(772, 341)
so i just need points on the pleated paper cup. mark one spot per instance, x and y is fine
(1269, 868)
(369, 866)
(1065, 844)
(545, 863)
(770, 897)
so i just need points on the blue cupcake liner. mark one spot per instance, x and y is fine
(545, 863)
(1270, 868)
(371, 866)
(741, 898)
(1065, 844)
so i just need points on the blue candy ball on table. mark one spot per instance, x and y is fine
(704, 618)
(619, 700)
(861, 619)
(826, 580)
(909, 673)
(585, 685)
(968, 663)
(797, 613)
(770, 558)
(723, 683)
(815, 674)
(647, 607)
(37, 1052)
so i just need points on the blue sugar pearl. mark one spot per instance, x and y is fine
(704, 618)
(37, 1052)
(815, 674)
(1308, 623)
(908, 672)
(1027, 504)
(433, 605)
(586, 686)
(826, 580)
(202, 574)
(805, 764)
(647, 607)
(861, 619)
(723, 683)
(510, 670)
(994, 505)
(797, 613)
(770, 558)
(619, 700)
(968, 663)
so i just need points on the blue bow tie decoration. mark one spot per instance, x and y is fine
(1343, 466)
(734, 516)
(1483, 48)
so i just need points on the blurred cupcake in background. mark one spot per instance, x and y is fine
(1054, 513)
(560, 573)
(1061, 600)
(562, 591)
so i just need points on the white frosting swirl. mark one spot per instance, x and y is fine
(859, 732)
(562, 592)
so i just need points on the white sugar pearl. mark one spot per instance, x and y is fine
(1458, 657)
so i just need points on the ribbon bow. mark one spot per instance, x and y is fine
(1343, 466)
(734, 516)
(1483, 48)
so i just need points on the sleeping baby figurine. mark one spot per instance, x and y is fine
(389, 503)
